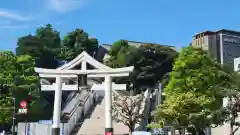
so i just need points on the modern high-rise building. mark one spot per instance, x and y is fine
(223, 44)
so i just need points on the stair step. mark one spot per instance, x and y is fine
(96, 123)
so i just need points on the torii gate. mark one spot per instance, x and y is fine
(66, 71)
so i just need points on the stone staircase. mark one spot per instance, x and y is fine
(95, 125)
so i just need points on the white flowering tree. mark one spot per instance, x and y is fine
(126, 109)
(233, 109)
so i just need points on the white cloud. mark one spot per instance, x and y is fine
(65, 5)
(13, 15)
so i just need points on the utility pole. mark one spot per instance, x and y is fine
(14, 115)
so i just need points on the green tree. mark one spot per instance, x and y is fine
(75, 42)
(194, 93)
(7, 74)
(151, 62)
(49, 36)
(27, 79)
(30, 45)
(17, 79)
(121, 54)
(41, 46)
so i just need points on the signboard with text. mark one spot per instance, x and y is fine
(141, 133)
(22, 107)
(23, 104)
(108, 133)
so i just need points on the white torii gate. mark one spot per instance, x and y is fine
(66, 71)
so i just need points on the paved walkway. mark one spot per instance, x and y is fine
(95, 125)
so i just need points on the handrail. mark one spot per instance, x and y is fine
(70, 102)
(69, 98)
(85, 100)
(77, 104)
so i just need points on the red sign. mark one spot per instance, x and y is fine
(108, 133)
(23, 104)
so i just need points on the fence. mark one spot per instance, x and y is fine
(44, 127)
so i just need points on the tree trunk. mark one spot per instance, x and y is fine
(231, 128)
(231, 119)
(200, 132)
(173, 131)
(130, 131)
(131, 92)
(181, 131)
(192, 131)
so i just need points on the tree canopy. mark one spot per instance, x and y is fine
(48, 49)
(194, 93)
(42, 46)
(151, 62)
(121, 54)
(75, 42)
(17, 79)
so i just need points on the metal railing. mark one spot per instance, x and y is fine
(77, 113)
(74, 114)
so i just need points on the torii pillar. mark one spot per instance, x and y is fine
(100, 71)
(108, 106)
(57, 107)
(58, 74)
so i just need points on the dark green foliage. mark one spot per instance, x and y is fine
(30, 45)
(151, 62)
(49, 36)
(121, 54)
(74, 43)
(42, 46)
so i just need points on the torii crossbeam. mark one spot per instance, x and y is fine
(66, 71)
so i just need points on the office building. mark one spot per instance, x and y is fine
(223, 45)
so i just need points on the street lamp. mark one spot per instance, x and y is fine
(13, 114)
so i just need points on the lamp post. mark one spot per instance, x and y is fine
(13, 114)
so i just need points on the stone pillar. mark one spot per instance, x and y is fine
(57, 107)
(173, 131)
(108, 106)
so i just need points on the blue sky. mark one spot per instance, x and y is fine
(171, 22)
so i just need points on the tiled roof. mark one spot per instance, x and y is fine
(134, 43)
(106, 46)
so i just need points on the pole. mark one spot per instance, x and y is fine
(108, 106)
(57, 107)
(14, 115)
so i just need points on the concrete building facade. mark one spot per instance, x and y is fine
(223, 45)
